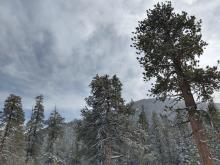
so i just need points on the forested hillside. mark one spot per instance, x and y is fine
(153, 135)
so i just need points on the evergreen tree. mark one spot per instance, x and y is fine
(34, 132)
(156, 139)
(55, 132)
(12, 132)
(142, 120)
(75, 155)
(214, 114)
(169, 45)
(213, 129)
(168, 140)
(130, 138)
(139, 140)
(186, 149)
(100, 125)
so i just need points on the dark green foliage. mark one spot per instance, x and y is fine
(168, 46)
(100, 126)
(55, 131)
(163, 141)
(34, 131)
(12, 134)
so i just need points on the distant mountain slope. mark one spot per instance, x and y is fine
(66, 145)
(153, 105)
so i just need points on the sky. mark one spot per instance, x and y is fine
(56, 47)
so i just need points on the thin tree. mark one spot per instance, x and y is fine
(55, 132)
(76, 145)
(213, 129)
(33, 129)
(186, 149)
(144, 154)
(168, 45)
(156, 139)
(142, 120)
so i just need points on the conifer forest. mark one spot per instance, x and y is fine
(177, 124)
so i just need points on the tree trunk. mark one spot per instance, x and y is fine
(196, 125)
(197, 129)
(201, 141)
(108, 154)
(107, 147)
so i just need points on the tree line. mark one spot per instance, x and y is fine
(21, 144)
(110, 132)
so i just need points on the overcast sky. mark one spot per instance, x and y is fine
(55, 47)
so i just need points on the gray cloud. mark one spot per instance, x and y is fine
(55, 47)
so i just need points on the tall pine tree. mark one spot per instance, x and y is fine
(55, 132)
(34, 132)
(99, 129)
(12, 132)
(142, 120)
(168, 45)
(141, 148)
(156, 139)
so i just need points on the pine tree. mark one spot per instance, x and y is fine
(34, 132)
(213, 129)
(75, 155)
(140, 148)
(169, 140)
(55, 132)
(100, 125)
(169, 45)
(214, 114)
(12, 134)
(142, 120)
(186, 149)
(156, 139)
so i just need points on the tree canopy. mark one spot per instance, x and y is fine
(169, 45)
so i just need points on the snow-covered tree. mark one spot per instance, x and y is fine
(213, 129)
(100, 125)
(12, 132)
(168, 141)
(156, 139)
(186, 149)
(75, 156)
(138, 139)
(34, 132)
(142, 120)
(55, 132)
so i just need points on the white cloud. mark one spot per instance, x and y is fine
(190, 2)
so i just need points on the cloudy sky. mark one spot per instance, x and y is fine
(55, 47)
